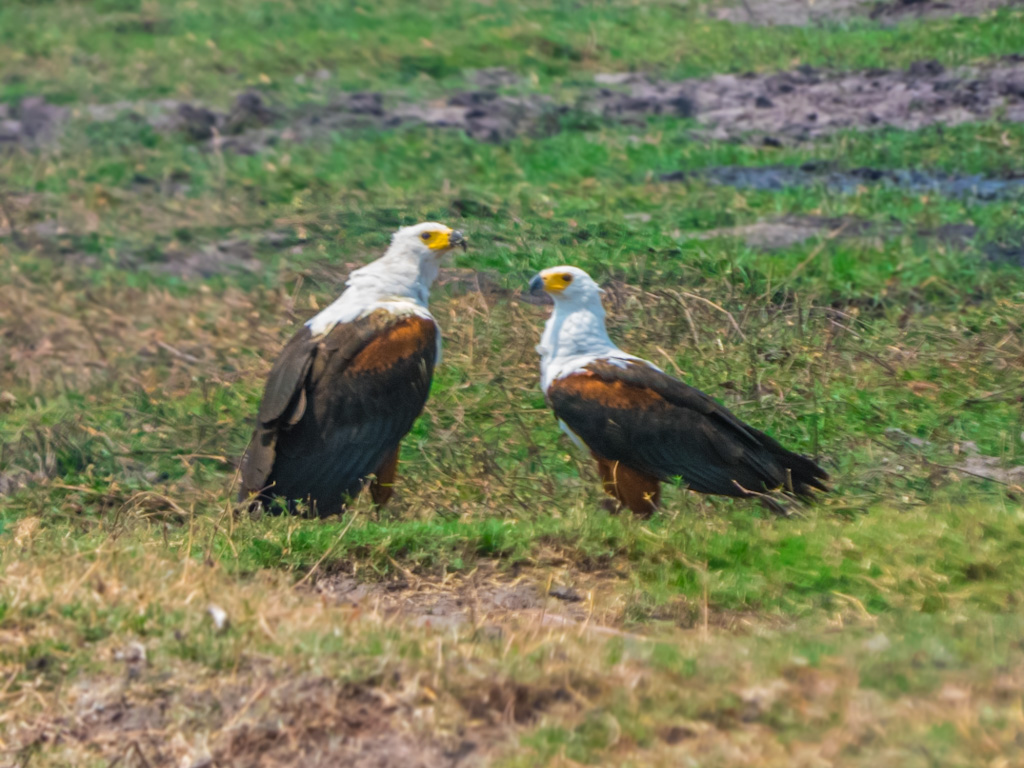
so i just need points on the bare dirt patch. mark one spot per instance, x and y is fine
(33, 121)
(788, 231)
(776, 234)
(801, 13)
(283, 719)
(796, 105)
(485, 115)
(205, 261)
(496, 604)
(786, 13)
(486, 599)
(969, 459)
(251, 124)
(195, 259)
(806, 103)
(897, 10)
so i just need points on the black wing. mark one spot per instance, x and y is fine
(649, 421)
(336, 407)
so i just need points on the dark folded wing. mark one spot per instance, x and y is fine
(335, 407)
(636, 414)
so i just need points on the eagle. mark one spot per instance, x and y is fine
(350, 383)
(642, 426)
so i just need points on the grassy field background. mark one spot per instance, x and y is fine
(494, 613)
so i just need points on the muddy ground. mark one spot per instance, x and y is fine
(786, 231)
(802, 13)
(485, 599)
(775, 109)
(783, 107)
(778, 177)
(787, 106)
(497, 602)
(805, 103)
(265, 717)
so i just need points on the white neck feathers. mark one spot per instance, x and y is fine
(400, 279)
(575, 336)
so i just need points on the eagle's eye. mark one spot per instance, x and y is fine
(425, 236)
(566, 278)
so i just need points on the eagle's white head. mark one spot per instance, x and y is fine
(575, 334)
(415, 253)
(402, 275)
(567, 286)
(417, 250)
(428, 240)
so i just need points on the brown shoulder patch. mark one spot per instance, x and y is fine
(609, 393)
(407, 337)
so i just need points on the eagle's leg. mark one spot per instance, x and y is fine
(383, 485)
(604, 469)
(638, 491)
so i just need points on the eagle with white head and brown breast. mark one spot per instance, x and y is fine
(349, 385)
(643, 426)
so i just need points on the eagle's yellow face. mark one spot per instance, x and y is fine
(555, 280)
(566, 284)
(442, 238)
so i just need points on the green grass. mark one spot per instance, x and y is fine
(571, 194)
(882, 621)
(106, 51)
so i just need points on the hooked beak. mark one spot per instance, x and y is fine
(457, 238)
(536, 285)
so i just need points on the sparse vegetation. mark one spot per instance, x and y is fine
(150, 276)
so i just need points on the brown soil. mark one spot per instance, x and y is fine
(33, 121)
(774, 234)
(486, 599)
(801, 13)
(806, 103)
(796, 105)
(484, 115)
(897, 10)
(787, 231)
(267, 714)
(205, 261)
(259, 719)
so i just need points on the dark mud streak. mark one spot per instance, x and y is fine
(780, 177)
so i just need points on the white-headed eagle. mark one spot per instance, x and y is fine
(349, 385)
(643, 426)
